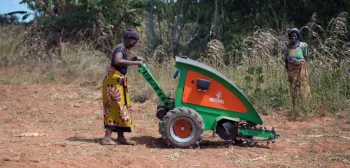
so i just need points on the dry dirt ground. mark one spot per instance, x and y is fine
(69, 120)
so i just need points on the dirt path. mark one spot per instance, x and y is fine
(71, 119)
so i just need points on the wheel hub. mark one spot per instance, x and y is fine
(182, 129)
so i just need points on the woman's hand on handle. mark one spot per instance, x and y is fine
(138, 58)
(139, 63)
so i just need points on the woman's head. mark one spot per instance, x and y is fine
(131, 37)
(294, 35)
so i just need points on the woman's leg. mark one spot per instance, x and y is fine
(123, 140)
(291, 80)
(305, 86)
(108, 133)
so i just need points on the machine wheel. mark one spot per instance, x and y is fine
(227, 130)
(161, 112)
(182, 128)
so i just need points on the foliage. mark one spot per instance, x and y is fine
(4, 20)
(187, 26)
(7, 19)
(100, 22)
(182, 27)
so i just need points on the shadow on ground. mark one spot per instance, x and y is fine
(83, 139)
(153, 142)
(150, 142)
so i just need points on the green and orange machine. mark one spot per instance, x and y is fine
(206, 100)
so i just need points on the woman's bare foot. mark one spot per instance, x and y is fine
(108, 141)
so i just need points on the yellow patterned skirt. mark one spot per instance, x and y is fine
(299, 83)
(116, 102)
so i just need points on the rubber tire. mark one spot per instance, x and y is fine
(173, 115)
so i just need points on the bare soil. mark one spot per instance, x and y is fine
(69, 121)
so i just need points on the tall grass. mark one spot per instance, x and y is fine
(261, 74)
(77, 64)
(10, 37)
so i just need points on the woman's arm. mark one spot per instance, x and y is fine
(136, 58)
(303, 47)
(120, 62)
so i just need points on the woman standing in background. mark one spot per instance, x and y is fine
(298, 77)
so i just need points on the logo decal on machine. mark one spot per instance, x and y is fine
(217, 99)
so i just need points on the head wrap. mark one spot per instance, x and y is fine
(296, 31)
(131, 33)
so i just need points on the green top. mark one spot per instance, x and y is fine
(296, 54)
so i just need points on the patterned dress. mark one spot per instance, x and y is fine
(297, 74)
(116, 99)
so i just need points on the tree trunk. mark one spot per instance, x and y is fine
(159, 22)
(256, 19)
(223, 18)
(151, 31)
(213, 29)
(176, 21)
(197, 20)
(194, 31)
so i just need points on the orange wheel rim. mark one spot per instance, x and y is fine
(182, 128)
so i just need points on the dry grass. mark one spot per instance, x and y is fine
(79, 65)
(261, 75)
(9, 40)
